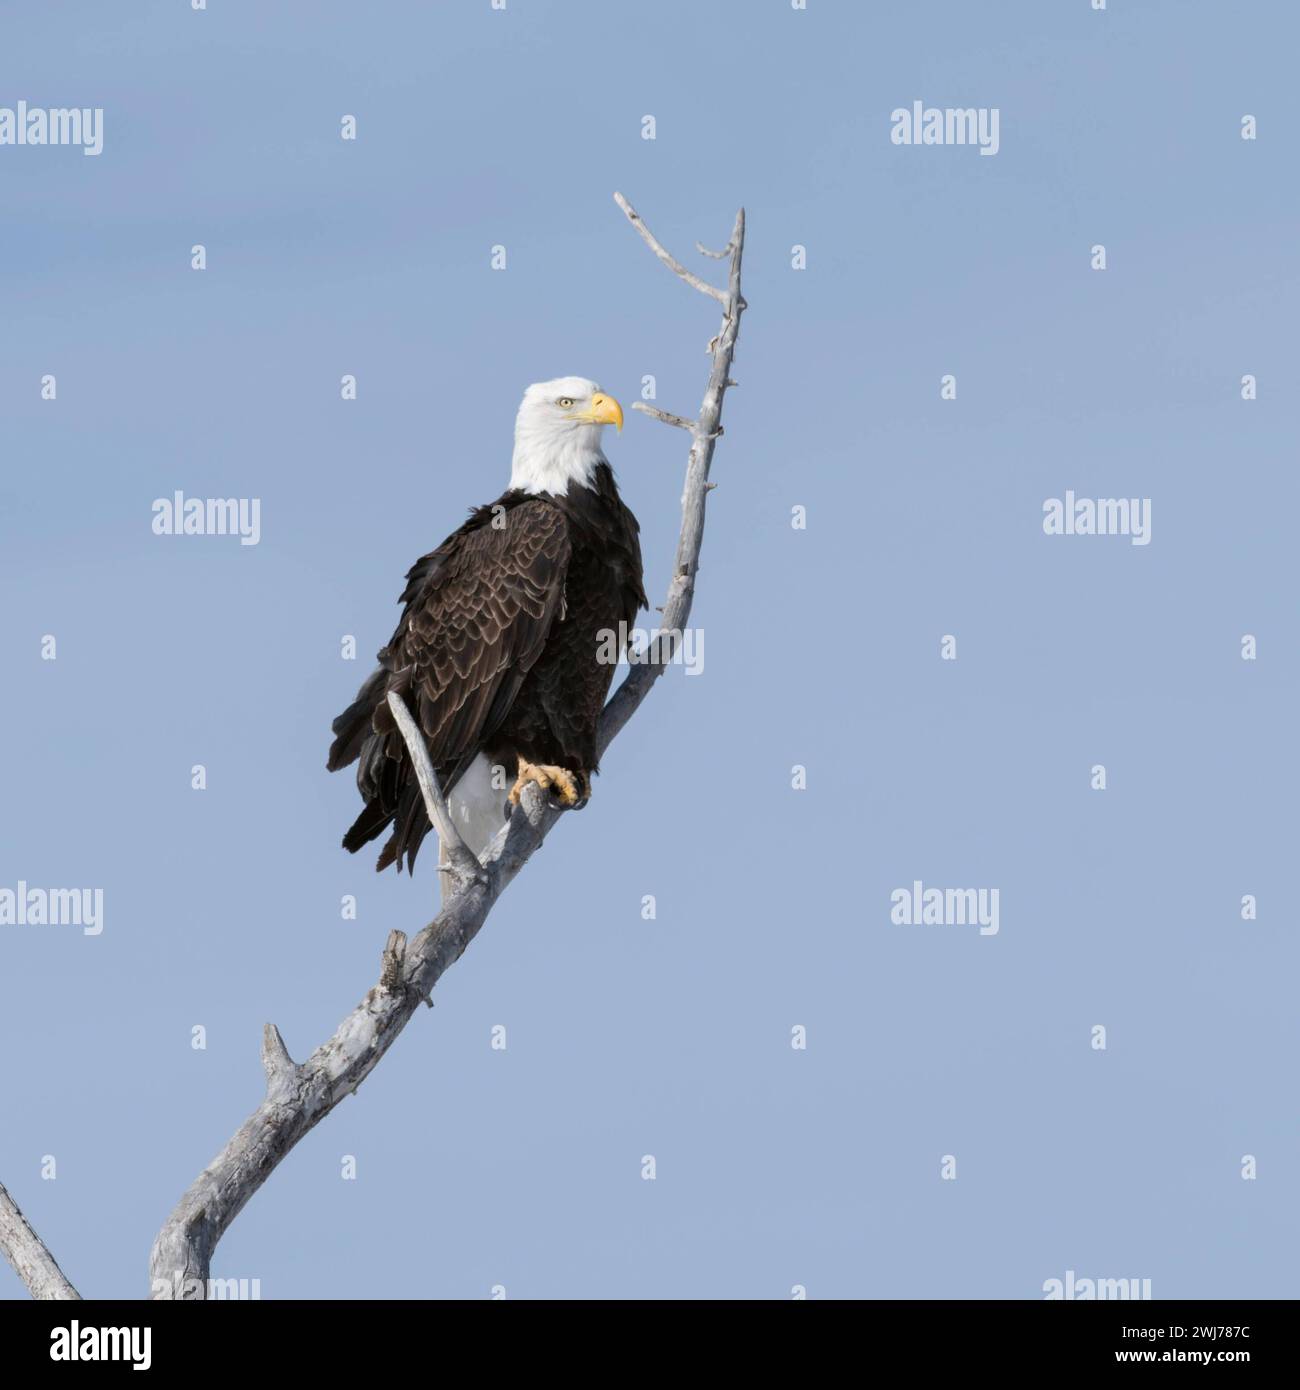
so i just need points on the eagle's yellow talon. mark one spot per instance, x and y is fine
(548, 777)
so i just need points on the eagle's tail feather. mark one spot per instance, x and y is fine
(353, 726)
(372, 822)
(411, 826)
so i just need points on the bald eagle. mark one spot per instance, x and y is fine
(502, 652)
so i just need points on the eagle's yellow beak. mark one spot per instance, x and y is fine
(605, 410)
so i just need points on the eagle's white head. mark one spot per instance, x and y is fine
(557, 434)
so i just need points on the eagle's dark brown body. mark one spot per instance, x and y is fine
(498, 651)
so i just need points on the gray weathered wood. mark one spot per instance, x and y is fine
(456, 856)
(26, 1251)
(704, 435)
(670, 261)
(666, 417)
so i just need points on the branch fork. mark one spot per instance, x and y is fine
(669, 260)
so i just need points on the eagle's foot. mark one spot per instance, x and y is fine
(569, 789)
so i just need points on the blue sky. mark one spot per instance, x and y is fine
(775, 1167)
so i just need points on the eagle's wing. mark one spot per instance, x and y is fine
(477, 615)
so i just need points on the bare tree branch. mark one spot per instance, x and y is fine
(26, 1251)
(678, 420)
(461, 859)
(298, 1097)
(708, 424)
(670, 261)
(281, 1070)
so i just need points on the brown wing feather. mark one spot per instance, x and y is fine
(477, 616)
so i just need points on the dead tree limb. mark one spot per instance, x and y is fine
(26, 1251)
(671, 261)
(300, 1095)
(461, 860)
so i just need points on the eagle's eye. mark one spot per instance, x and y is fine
(565, 402)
